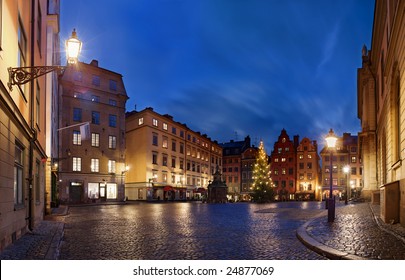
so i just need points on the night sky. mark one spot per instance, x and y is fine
(232, 68)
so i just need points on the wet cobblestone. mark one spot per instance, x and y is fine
(185, 231)
(356, 232)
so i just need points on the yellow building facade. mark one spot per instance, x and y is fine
(166, 159)
(24, 27)
(381, 110)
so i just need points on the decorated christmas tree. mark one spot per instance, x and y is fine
(262, 184)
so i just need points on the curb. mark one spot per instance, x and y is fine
(320, 248)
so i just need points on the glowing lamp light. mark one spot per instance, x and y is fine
(331, 139)
(73, 48)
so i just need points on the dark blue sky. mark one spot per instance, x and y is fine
(231, 68)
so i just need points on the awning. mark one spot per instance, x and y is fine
(168, 188)
(200, 190)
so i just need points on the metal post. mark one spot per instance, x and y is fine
(331, 201)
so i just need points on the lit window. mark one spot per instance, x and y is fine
(77, 138)
(94, 167)
(111, 166)
(77, 164)
(155, 122)
(164, 142)
(165, 126)
(112, 142)
(95, 139)
(140, 121)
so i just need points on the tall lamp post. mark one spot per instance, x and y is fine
(331, 143)
(346, 170)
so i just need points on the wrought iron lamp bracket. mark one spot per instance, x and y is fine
(22, 75)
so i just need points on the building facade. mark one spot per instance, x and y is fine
(23, 116)
(283, 165)
(91, 163)
(167, 160)
(308, 171)
(232, 165)
(381, 109)
(344, 181)
(248, 160)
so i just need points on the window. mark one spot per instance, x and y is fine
(354, 171)
(95, 98)
(280, 150)
(173, 162)
(112, 120)
(181, 148)
(18, 174)
(95, 81)
(165, 142)
(95, 117)
(181, 164)
(165, 126)
(77, 164)
(309, 165)
(154, 139)
(140, 121)
(164, 160)
(155, 122)
(283, 159)
(113, 85)
(301, 156)
(353, 159)
(22, 45)
(174, 130)
(95, 140)
(154, 158)
(181, 133)
(77, 138)
(112, 142)
(111, 166)
(301, 165)
(173, 145)
(94, 166)
(112, 102)
(77, 114)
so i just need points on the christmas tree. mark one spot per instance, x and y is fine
(262, 185)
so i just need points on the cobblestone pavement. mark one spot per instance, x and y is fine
(187, 231)
(172, 231)
(356, 233)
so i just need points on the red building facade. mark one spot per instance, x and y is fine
(283, 167)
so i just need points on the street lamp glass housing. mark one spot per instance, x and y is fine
(73, 48)
(346, 169)
(331, 139)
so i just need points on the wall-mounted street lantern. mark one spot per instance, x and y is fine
(22, 75)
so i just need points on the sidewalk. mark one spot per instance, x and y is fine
(42, 243)
(357, 233)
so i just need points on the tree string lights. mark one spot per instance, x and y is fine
(262, 184)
